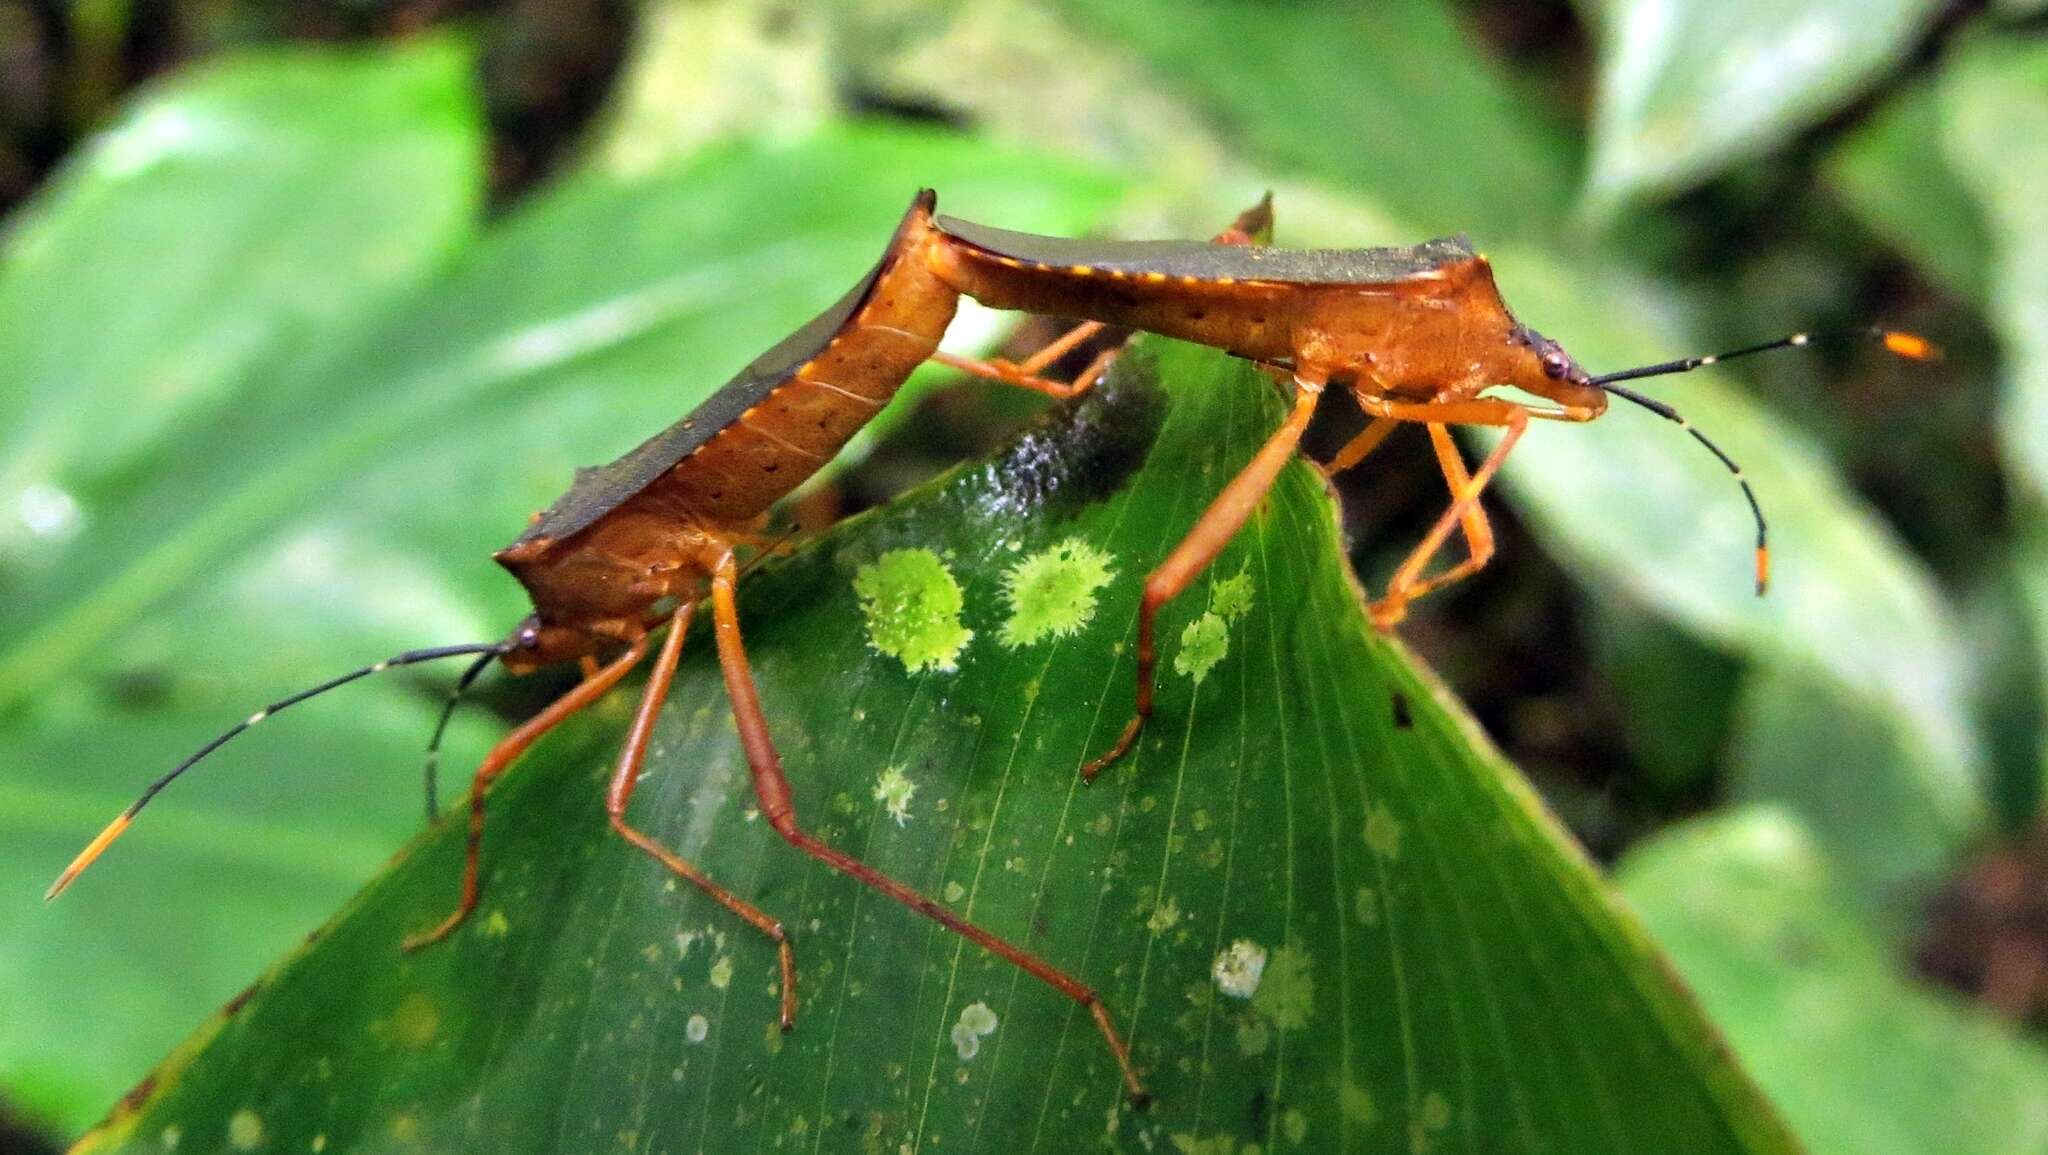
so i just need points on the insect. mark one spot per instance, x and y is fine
(644, 541)
(640, 544)
(1417, 335)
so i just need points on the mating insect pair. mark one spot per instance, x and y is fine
(1416, 335)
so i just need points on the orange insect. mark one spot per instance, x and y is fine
(1416, 334)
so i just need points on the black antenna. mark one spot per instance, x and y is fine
(120, 823)
(469, 676)
(1903, 344)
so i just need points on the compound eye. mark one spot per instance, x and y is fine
(1555, 365)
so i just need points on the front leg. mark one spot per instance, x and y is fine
(1212, 531)
(1407, 584)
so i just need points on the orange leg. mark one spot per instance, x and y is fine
(1028, 373)
(1406, 584)
(628, 776)
(1478, 531)
(1212, 531)
(778, 806)
(1025, 375)
(501, 758)
(1355, 450)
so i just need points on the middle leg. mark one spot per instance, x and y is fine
(632, 755)
(1211, 532)
(1478, 530)
(1407, 584)
(778, 806)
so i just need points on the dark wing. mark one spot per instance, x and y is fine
(601, 489)
(1208, 262)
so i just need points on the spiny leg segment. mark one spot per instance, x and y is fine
(501, 757)
(1407, 583)
(632, 755)
(1211, 532)
(778, 806)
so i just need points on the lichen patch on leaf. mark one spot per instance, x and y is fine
(1383, 831)
(893, 789)
(1238, 967)
(976, 1021)
(1202, 645)
(912, 605)
(1287, 996)
(1052, 592)
(1231, 598)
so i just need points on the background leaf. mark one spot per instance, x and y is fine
(1404, 892)
(1893, 171)
(1861, 1061)
(1852, 618)
(1689, 87)
(271, 200)
(1995, 105)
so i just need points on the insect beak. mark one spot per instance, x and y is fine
(1570, 389)
(1577, 397)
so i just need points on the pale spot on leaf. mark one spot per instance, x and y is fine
(1383, 831)
(245, 1130)
(1287, 996)
(1238, 967)
(1164, 916)
(894, 789)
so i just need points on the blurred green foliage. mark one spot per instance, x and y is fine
(274, 387)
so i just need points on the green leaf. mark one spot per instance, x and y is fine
(1688, 87)
(1393, 98)
(2020, 699)
(1863, 1061)
(1849, 781)
(1892, 172)
(1994, 103)
(1676, 692)
(230, 220)
(268, 200)
(1320, 928)
(344, 510)
(1852, 618)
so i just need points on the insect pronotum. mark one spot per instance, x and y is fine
(1416, 334)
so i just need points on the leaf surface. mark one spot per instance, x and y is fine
(1320, 926)
(1689, 87)
(1863, 1061)
(344, 509)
